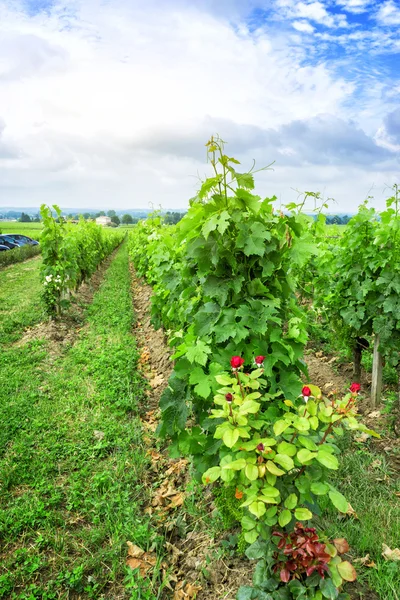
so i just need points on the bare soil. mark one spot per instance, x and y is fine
(192, 555)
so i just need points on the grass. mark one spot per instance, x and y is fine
(20, 301)
(370, 485)
(72, 460)
(32, 230)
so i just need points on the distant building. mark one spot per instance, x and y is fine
(103, 221)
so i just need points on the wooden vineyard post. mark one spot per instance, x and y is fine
(376, 387)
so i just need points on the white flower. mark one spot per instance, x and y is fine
(48, 278)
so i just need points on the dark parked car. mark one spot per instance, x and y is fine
(7, 242)
(18, 239)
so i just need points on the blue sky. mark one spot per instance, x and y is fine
(112, 101)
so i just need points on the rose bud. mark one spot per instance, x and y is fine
(306, 391)
(259, 360)
(355, 388)
(261, 447)
(228, 397)
(236, 362)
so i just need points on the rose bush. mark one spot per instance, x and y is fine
(277, 456)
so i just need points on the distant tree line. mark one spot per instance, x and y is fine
(337, 219)
(170, 217)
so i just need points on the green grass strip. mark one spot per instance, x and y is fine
(72, 460)
(20, 301)
(370, 485)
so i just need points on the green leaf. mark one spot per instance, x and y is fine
(301, 424)
(319, 488)
(347, 571)
(236, 465)
(257, 550)
(284, 461)
(303, 514)
(198, 353)
(284, 518)
(251, 472)
(280, 427)
(327, 460)
(291, 501)
(225, 379)
(338, 501)
(199, 377)
(245, 180)
(286, 448)
(272, 468)
(245, 592)
(257, 508)
(251, 536)
(304, 456)
(252, 238)
(328, 589)
(249, 407)
(307, 443)
(206, 317)
(230, 437)
(248, 523)
(211, 475)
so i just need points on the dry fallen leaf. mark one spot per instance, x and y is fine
(156, 381)
(389, 554)
(363, 437)
(341, 545)
(176, 466)
(133, 550)
(139, 559)
(177, 500)
(187, 592)
(174, 553)
(350, 513)
(376, 463)
(374, 414)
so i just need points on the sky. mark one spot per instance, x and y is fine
(109, 103)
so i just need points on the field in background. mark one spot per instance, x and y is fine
(32, 230)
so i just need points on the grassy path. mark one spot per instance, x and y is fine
(71, 457)
(20, 303)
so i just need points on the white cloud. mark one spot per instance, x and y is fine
(303, 26)
(312, 11)
(389, 13)
(354, 6)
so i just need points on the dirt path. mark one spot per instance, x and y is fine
(192, 554)
(61, 333)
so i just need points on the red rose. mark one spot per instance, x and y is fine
(259, 360)
(306, 391)
(261, 447)
(236, 362)
(355, 388)
(228, 397)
